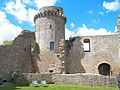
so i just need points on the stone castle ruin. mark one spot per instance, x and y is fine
(46, 51)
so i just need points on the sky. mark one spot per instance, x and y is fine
(84, 17)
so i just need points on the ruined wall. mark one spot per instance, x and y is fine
(17, 57)
(74, 54)
(103, 49)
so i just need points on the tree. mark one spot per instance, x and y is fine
(6, 42)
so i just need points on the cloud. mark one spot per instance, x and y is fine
(68, 33)
(95, 21)
(84, 31)
(31, 14)
(2, 17)
(116, 30)
(90, 12)
(111, 6)
(26, 1)
(72, 25)
(101, 13)
(42, 3)
(17, 9)
(8, 31)
(22, 13)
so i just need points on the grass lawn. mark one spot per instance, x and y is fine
(53, 87)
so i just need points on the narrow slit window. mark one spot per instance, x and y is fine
(58, 10)
(86, 45)
(51, 45)
(50, 26)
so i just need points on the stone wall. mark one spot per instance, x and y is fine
(80, 79)
(85, 80)
(17, 57)
(28, 77)
(103, 49)
(74, 54)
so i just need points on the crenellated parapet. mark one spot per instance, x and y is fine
(50, 11)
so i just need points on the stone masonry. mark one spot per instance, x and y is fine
(46, 51)
(17, 57)
(78, 79)
(103, 49)
(50, 28)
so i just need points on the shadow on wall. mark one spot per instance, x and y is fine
(35, 56)
(17, 77)
(75, 53)
(13, 81)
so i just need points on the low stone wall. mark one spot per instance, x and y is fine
(80, 79)
(28, 77)
(84, 79)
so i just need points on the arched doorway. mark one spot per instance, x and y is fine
(104, 69)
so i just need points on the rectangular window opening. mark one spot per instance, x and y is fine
(51, 45)
(86, 47)
(51, 71)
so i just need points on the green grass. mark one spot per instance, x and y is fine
(53, 87)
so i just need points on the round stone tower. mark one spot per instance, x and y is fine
(50, 27)
(50, 36)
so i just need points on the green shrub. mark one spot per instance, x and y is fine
(6, 42)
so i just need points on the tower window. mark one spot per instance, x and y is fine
(58, 10)
(51, 45)
(24, 49)
(86, 45)
(51, 71)
(50, 26)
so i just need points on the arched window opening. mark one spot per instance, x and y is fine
(86, 45)
(104, 69)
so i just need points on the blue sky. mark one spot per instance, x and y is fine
(84, 17)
